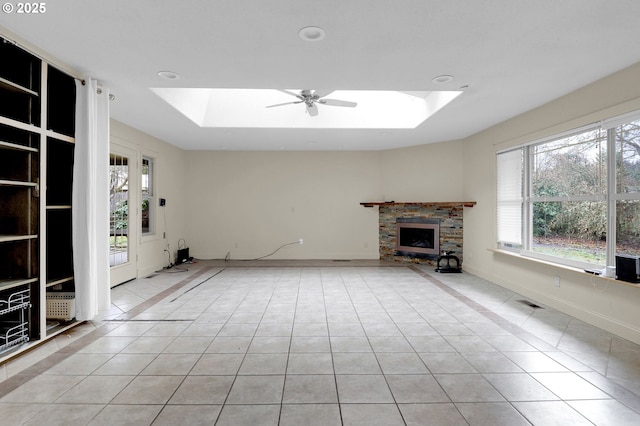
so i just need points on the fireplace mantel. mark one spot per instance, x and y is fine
(423, 204)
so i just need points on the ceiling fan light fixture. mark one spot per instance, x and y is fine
(312, 34)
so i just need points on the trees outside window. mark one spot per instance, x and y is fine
(579, 199)
(627, 197)
(568, 187)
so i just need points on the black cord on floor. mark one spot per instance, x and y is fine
(270, 254)
(197, 285)
(227, 257)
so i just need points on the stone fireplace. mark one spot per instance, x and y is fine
(393, 216)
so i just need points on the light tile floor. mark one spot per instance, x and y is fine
(324, 344)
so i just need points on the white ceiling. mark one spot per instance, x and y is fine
(513, 56)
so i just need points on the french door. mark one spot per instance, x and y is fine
(123, 211)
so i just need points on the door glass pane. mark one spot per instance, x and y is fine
(119, 209)
(147, 210)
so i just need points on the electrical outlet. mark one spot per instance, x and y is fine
(556, 280)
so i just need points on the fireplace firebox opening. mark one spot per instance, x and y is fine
(417, 236)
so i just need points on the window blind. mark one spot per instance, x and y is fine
(509, 198)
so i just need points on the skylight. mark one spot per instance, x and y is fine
(376, 109)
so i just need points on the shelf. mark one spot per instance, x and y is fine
(20, 106)
(59, 136)
(4, 83)
(7, 284)
(19, 157)
(65, 207)
(59, 281)
(19, 124)
(20, 85)
(60, 327)
(11, 238)
(18, 183)
(17, 147)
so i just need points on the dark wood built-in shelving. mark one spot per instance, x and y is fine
(37, 130)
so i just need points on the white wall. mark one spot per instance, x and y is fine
(607, 304)
(169, 163)
(249, 203)
(423, 173)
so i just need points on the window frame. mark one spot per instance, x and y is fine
(610, 196)
(149, 196)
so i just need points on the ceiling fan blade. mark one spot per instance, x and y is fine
(322, 93)
(288, 92)
(312, 109)
(285, 103)
(337, 102)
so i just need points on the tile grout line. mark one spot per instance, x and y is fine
(19, 379)
(376, 354)
(507, 325)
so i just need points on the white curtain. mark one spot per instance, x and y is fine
(91, 201)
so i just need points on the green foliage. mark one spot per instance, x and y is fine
(120, 215)
(573, 167)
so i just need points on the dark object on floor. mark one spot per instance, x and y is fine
(530, 304)
(448, 268)
(183, 256)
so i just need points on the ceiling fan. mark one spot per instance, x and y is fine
(311, 98)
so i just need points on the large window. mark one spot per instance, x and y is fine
(573, 198)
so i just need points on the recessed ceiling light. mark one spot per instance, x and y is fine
(441, 79)
(312, 34)
(168, 75)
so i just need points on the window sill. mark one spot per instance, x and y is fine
(563, 267)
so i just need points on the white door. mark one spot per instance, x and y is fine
(123, 211)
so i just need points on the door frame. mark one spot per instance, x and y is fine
(129, 270)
